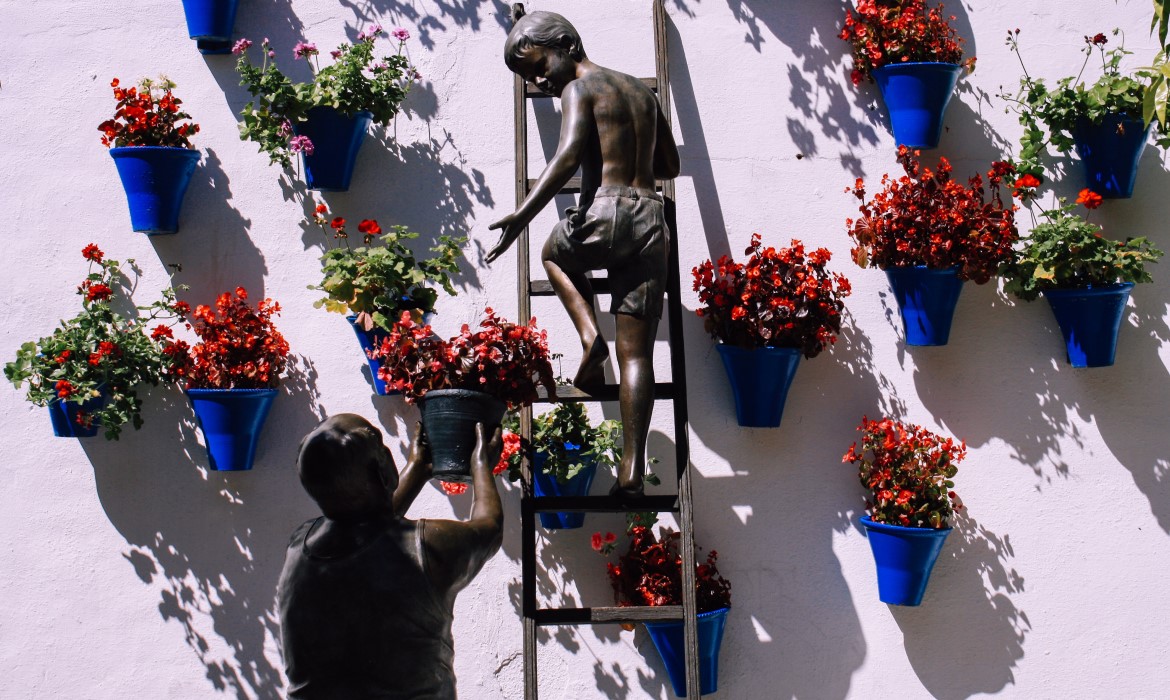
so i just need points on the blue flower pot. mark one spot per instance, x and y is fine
(545, 484)
(1110, 152)
(231, 420)
(668, 639)
(1089, 320)
(369, 340)
(63, 415)
(210, 23)
(448, 418)
(916, 96)
(760, 379)
(904, 558)
(927, 300)
(336, 140)
(155, 179)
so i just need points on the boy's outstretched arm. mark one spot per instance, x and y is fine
(415, 475)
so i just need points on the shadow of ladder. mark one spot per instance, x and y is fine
(675, 391)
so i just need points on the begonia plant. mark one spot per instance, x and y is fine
(148, 114)
(899, 31)
(649, 573)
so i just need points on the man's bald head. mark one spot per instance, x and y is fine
(346, 469)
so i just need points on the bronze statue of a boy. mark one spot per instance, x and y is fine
(614, 131)
(366, 596)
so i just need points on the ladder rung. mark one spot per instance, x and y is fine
(606, 392)
(585, 616)
(603, 504)
(532, 92)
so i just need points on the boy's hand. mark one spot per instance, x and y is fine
(512, 228)
(486, 454)
(420, 451)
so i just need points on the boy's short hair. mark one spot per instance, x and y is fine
(542, 29)
(339, 461)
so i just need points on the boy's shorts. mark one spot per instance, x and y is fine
(621, 230)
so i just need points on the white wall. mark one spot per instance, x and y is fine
(128, 570)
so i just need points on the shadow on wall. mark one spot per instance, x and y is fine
(465, 14)
(969, 614)
(212, 543)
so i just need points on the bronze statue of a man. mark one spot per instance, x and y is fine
(366, 596)
(614, 131)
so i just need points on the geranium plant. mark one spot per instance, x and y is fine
(506, 360)
(357, 81)
(899, 31)
(1066, 251)
(377, 281)
(98, 352)
(148, 115)
(778, 298)
(238, 348)
(908, 471)
(927, 218)
(650, 572)
(1059, 109)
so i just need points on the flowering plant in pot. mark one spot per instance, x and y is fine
(907, 470)
(231, 374)
(1085, 277)
(326, 119)
(914, 55)
(372, 284)
(930, 233)
(650, 573)
(766, 313)
(88, 370)
(470, 378)
(1104, 121)
(151, 147)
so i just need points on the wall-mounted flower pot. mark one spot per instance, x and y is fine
(64, 414)
(904, 558)
(916, 97)
(927, 299)
(668, 639)
(336, 141)
(1089, 320)
(1110, 153)
(369, 340)
(545, 484)
(231, 420)
(210, 23)
(449, 417)
(155, 179)
(760, 379)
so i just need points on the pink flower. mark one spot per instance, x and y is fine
(285, 129)
(241, 46)
(335, 54)
(301, 144)
(304, 50)
(272, 54)
(400, 34)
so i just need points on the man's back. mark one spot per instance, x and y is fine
(625, 115)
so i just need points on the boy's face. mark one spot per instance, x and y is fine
(549, 69)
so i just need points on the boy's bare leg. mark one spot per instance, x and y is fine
(576, 294)
(635, 353)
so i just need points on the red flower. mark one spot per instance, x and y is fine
(369, 227)
(1027, 181)
(337, 223)
(63, 356)
(1089, 198)
(63, 388)
(452, 488)
(321, 209)
(595, 541)
(161, 332)
(98, 292)
(92, 252)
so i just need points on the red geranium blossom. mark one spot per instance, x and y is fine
(147, 115)
(92, 252)
(98, 292)
(898, 31)
(650, 573)
(1089, 198)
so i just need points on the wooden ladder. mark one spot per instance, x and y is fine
(675, 390)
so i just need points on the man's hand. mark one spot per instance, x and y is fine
(486, 454)
(512, 228)
(419, 455)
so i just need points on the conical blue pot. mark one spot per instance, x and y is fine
(1110, 153)
(545, 484)
(369, 340)
(231, 420)
(904, 558)
(63, 415)
(760, 379)
(448, 418)
(155, 179)
(211, 19)
(336, 140)
(927, 299)
(1089, 320)
(668, 638)
(916, 96)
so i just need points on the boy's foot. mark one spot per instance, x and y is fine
(591, 374)
(626, 495)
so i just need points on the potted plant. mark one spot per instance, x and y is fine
(1085, 277)
(210, 23)
(929, 234)
(325, 120)
(373, 284)
(471, 378)
(650, 573)
(908, 472)
(231, 374)
(765, 314)
(152, 151)
(88, 369)
(914, 55)
(1104, 121)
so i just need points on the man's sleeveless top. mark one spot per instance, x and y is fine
(365, 625)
